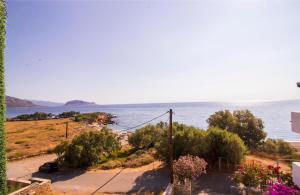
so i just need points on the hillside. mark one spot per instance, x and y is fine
(46, 103)
(78, 103)
(16, 102)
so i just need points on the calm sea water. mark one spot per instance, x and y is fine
(276, 115)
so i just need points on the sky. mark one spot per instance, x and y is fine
(113, 52)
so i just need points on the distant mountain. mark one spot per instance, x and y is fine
(16, 102)
(46, 103)
(78, 103)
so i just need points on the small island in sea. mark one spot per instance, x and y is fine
(79, 103)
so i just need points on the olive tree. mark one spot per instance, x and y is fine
(241, 122)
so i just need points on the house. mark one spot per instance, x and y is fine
(296, 128)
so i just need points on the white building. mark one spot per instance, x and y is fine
(296, 165)
(296, 128)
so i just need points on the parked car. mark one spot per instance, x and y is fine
(49, 167)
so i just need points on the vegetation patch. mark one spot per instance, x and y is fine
(95, 117)
(241, 122)
(278, 149)
(88, 148)
(68, 114)
(265, 179)
(20, 142)
(16, 155)
(128, 158)
(111, 164)
(189, 140)
(32, 117)
(139, 160)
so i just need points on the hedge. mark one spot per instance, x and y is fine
(3, 186)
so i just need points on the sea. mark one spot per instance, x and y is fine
(276, 115)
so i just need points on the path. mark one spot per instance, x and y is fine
(121, 181)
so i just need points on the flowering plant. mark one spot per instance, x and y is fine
(189, 167)
(278, 188)
(254, 175)
(251, 175)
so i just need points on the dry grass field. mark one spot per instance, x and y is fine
(296, 145)
(25, 138)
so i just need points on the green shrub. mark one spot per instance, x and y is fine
(146, 137)
(68, 114)
(31, 117)
(94, 117)
(139, 160)
(241, 122)
(112, 164)
(226, 145)
(277, 147)
(87, 149)
(186, 139)
(211, 144)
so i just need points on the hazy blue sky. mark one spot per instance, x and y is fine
(158, 51)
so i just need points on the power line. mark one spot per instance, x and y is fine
(130, 128)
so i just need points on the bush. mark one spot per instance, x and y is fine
(31, 117)
(241, 122)
(226, 145)
(112, 164)
(68, 114)
(210, 144)
(186, 139)
(189, 167)
(127, 159)
(87, 149)
(277, 147)
(250, 175)
(94, 117)
(146, 137)
(138, 161)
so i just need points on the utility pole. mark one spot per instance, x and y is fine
(67, 128)
(171, 146)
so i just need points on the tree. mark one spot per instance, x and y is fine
(87, 149)
(3, 186)
(241, 122)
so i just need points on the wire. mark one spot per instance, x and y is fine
(134, 127)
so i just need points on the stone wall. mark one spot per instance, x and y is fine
(35, 187)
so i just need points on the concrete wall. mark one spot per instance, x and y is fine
(296, 173)
(34, 186)
(169, 190)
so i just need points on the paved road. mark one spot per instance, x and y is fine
(123, 181)
(24, 167)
